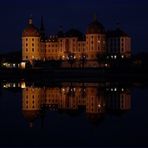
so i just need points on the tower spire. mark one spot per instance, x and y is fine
(95, 17)
(42, 29)
(60, 28)
(42, 23)
(118, 25)
(30, 20)
(31, 124)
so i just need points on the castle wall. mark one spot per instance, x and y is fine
(31, 48)
(85, 53)
(95, 44)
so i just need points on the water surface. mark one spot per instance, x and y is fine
(73, 114)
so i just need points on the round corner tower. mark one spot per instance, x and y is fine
(95, 39)
(31, 43)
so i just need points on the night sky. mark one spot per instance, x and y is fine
(131, 14)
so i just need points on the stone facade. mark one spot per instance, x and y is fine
(73, 45)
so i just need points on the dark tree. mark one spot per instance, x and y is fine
(83, 59)
(71, 59)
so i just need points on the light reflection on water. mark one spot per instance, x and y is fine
(71, 109)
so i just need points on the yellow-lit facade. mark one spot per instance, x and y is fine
(59, 47)
(31, 46)
(119, 99)
(118, 43)
(94, 99)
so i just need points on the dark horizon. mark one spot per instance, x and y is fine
(73, 14)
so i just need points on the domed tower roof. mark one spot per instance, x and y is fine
(30, 115)
(74, 33)
(60, 33)
(95, 118)
(95, 27)
(117, 33)
(31, 30)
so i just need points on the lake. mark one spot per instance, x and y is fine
(74, 113)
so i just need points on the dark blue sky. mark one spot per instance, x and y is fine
(132, 15)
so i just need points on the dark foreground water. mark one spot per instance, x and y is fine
(73, 114)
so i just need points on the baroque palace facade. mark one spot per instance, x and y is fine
(95, 100)
(74, 45)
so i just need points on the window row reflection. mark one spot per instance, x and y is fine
(95, 100)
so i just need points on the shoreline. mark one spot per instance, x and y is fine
(66, 73)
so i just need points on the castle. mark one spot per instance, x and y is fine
(95, 100)
(74, 45)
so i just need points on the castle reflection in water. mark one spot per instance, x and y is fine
(94, 99)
